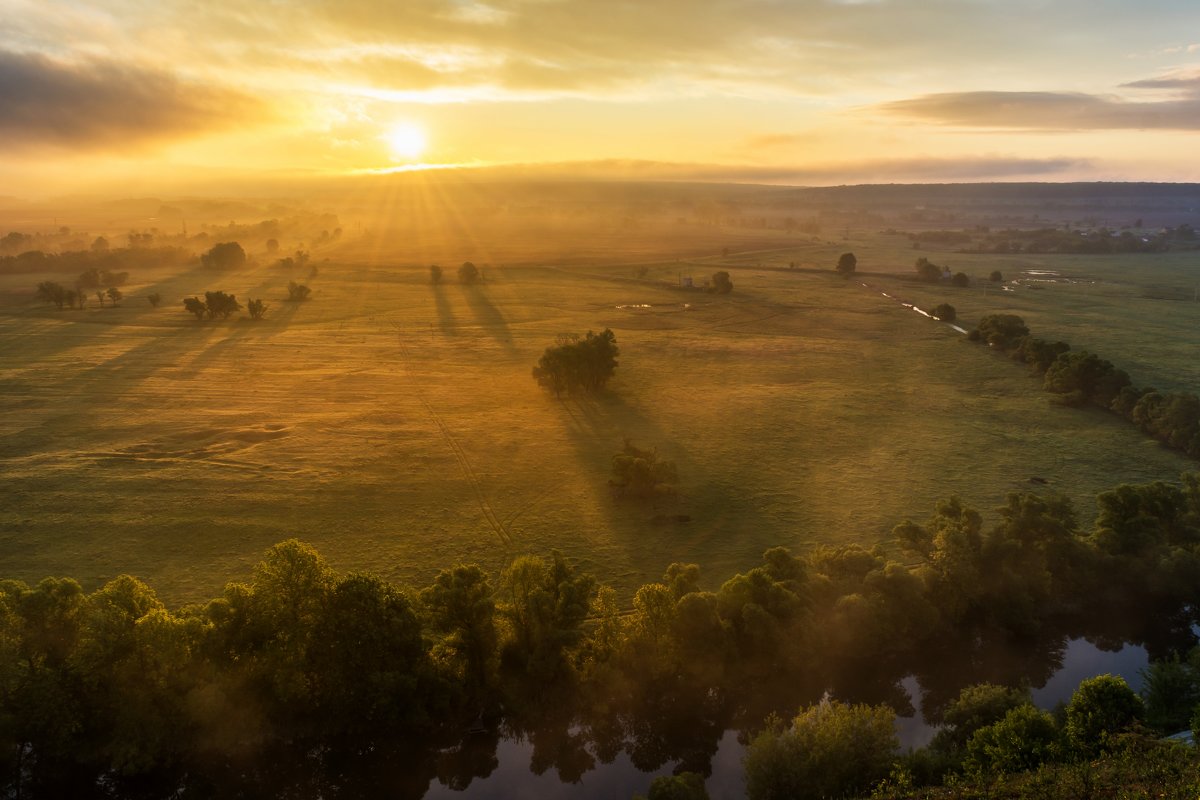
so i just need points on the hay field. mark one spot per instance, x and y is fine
(396, 427)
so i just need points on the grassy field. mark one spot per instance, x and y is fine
(395, 426)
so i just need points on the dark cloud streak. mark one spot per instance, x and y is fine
(97, 104)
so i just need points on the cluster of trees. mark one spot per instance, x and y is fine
(103, 260)
(224, 255)
(1096, 241)
(1078, 378)
(113, 683)
(576, 364)
(214, 305)
(847, 263)
(298, 292)
(60, 296)
(932, 273)
(721, 284)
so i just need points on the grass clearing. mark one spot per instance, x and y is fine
(395, 425)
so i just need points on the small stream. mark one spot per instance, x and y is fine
(917, 309)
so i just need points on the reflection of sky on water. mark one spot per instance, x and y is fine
(512, 778)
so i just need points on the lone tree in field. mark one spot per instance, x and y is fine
(154, 299)
(256, 308)
(468, 273)
(298, 292)
(847, 263)
(960, 280)
(721, 283)
(224, 255)
(945, 312)
(996, 277)
(641, 474)
(578, 365)
(928, 271)
(435, 274)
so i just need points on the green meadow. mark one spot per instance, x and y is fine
(395, 426)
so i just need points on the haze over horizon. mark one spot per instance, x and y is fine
(134, 96)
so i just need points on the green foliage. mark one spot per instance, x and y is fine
(53, 293)
(468, 274)
(721, 283)
(830, 749)
(1171, 693)
(976, 707)
(847, 263)
(1082, 377)
(1003, 331)
(545, 605)
(578, 365)
(1023, 740)
(684, 786)
(641, 474)
(224, 255)
(460, 607)
(298, 292)
(945, 312)
(1101, 708)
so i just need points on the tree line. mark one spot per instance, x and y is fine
(302, 659)
(1077, 378)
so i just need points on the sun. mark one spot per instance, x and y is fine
(405, 140)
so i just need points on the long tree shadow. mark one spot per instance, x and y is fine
(490, 318)
(446, 319)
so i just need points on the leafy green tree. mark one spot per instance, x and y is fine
(960, 280)
(1171, 693)
(224, 255)
(545, 603)
(976, 707)
(468, 274)
(847, 263)
(1004, 331)
(1023, 740)
(721, 284)
(928, 271)
(945, 312)
(830, 749)
(1099, 708)
(460, 607)
(1081, 377)
(996, 277)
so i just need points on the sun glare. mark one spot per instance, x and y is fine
(406, 141)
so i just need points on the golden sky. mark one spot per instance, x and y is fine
(134, 94)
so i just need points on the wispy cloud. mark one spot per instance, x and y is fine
(95, 103)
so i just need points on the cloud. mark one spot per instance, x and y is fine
(870, 171)
(1051, 111)
(100, 104)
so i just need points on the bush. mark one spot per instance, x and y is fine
(225, 255)
(641, 474)
(1023, 740)
(154, 299)
(298, 292)
(435, 274)
(1100, 708)
(468, 274)
(256, 308)
(960, 280)
(846, 263)
(721, 283)
(945, 312)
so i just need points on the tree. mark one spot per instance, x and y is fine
(945, 312)
(830, 749)
(1004, 331)
(1101, 707)
(576, 364)
(194, 305)
(461, 608)
(927, 270)
(996, 277)
(52, 292)
(846, 264)
(272, 246)
(256, 308)
(220, 304)
(224, 255)
(642, 474)
(684, 786)
(435, 274)
(154, 298)
(960, 280)
(114, 294)
(468, 273)
(546, 604)
(100, 245)
(721, 283)
(1023, 740)
(297, 292)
